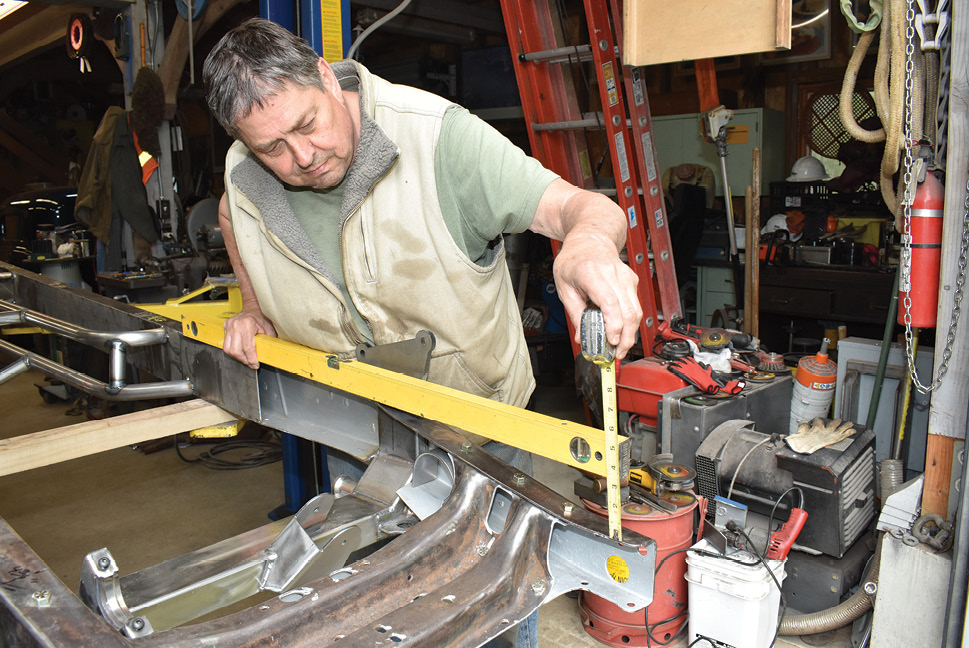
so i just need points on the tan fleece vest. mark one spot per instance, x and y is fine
(403, 269)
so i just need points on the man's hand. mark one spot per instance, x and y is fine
(588, 269)
(592, 229)
(240, 335)
(241, 330)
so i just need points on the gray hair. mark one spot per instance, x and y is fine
(251, 63)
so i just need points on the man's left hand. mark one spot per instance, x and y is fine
(588, 269)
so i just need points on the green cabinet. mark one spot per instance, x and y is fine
(679, 141)
(714, 290)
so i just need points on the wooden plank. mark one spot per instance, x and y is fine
(70, 442)
(782, 37)
(938, 473)
(946, 420)
(658, 31)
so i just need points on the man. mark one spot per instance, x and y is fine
(357, 210)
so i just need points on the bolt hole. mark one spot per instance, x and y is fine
(341, 574)
(448, 599)
(382, 629)
(291, 597)
(598, 456)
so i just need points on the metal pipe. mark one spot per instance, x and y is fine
(560, 54)
(13, 369)
(876, 392)
(117, 365)
(99, 339)
(959, 579)
(141, 391)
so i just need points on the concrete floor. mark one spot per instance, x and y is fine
(146, 508)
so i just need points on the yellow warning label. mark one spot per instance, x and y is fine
(618, 569)
(331, 19)
(738, 134)
(610, 78)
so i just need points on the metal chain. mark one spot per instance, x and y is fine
(906, 254)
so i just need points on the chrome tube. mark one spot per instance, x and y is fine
(99, 339)
(141, 391)
(15, 368)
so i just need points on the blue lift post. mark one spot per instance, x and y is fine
(325, 24)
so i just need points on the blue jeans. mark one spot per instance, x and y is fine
(527, 635)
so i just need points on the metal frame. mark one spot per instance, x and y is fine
(476, 545)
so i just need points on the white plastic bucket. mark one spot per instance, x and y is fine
(734, 604)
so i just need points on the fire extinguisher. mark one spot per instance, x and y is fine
(926, 255)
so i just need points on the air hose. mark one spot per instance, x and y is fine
(840, 615)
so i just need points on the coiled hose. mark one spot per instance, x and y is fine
(839, 615)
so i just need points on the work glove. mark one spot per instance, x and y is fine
(696, 373)
(703, 377)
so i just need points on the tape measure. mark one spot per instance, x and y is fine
(597, 349)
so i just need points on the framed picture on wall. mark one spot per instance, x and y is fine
(810, 33)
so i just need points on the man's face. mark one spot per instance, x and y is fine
(304, 135)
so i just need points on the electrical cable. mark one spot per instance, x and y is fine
(262, 453)
(649, 635)
(355, 47)
(737, 471)
(770, 520)
(733, 526)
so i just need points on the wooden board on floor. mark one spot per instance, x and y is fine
(73, 441)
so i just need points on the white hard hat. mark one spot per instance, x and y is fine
(807, 169)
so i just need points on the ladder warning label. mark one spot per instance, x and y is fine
(658, 215)
(648, 157)
(621, 154)
(632, 217)
(610, 77)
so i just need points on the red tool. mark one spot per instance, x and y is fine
(782, 540)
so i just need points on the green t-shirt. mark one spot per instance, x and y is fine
(486, 187)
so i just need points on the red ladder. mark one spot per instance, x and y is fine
(557, 132)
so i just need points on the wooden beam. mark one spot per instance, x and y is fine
(176, 49)
(46, 27)
(31, 151)
(54, 446)
(948, 411)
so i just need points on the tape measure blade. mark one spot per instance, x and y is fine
(611, 429)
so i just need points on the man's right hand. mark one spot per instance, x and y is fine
(240, 335)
